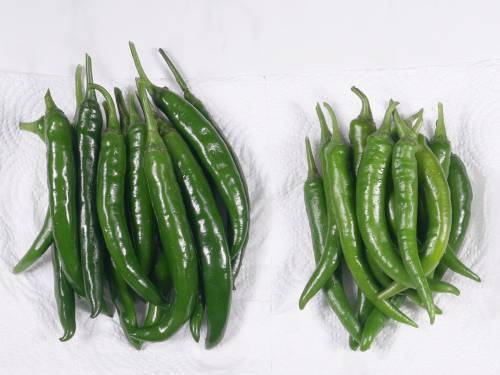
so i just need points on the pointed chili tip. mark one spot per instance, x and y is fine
(325, 132)
(336, 133)
(67, 335)
(366, 112)
(312, 170)
(49, 101)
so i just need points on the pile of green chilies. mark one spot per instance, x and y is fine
(393, 207)
(153, 207)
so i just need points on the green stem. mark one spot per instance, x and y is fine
(385, 127)
(440, 128)
(113, 123)
(122, 109)
(90, 93)
(79, 86)
(49, 102)
(312, 170)
(325, 132)
(419, 122)
(366, 112)
(133, 113)
(409, 120)
(177, 75)
(138, 65)
(32, 127)
(153, 137)
(402, 126)
(336, 133)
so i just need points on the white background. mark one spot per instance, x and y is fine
(260, 66)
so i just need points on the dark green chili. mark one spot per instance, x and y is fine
(161, 278)
(330, 255)
(62, 188)
(65, 297)
(196, 319)
(111, 207)
(173, 227)
(316, 207)
(339, 169)
(213, 153)
(88, 128)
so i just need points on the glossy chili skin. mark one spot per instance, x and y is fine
(139, 205)
(436, 192)
(196, 319)
(461, 200)
(198, 104)
(439, 143)
(174, 230)
(330, 257)
(161, 278)
(208, 230)
(371, 191)
(314, 199)
(125, 305)
(405, 183)
(213, 154)
(111, 208)
(62, 187)
(65, 297)
(88, 129)
(342, 190)
(360, 128)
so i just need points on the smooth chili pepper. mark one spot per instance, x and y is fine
(461, 199)
(237, 261)
(196, 319)
(65, 297)
(208, 230)
(405, 183)
(360, 128)
(88, 128)
(212, 152)
(62, 188)
(111, 206)
(342, 190)
(125, 305)
(174, 229)
(316, 208)
(331, 255)
(436, 192)
(371, 192)
(161, 278)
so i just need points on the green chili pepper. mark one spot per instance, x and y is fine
(360, 128)
(439, 143)
(88, 128)
(212, 152)
(316, 207)
(196, 319)
(111, 207)
(173, 227)
(339, 170)
(330, 255)
(125, 305)
(122, 110)
(65, 297)
(62, 188)
(208, 229)
(461, 198)
(436, 194)
(405, 182)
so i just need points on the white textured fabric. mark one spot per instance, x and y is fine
(266, 119)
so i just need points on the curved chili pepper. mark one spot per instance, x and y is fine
(360, 128)
(339, 170)
(173, 227)
(371, 192)
(161, 278)
(208, 229)
(438, 206)
(212, 152)
(62, 188)
(330, 255)
(111, 208)
(65, 297)
(88, 128)
(405, 182)
(196, 319)
(125, 305)
(316, 207)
